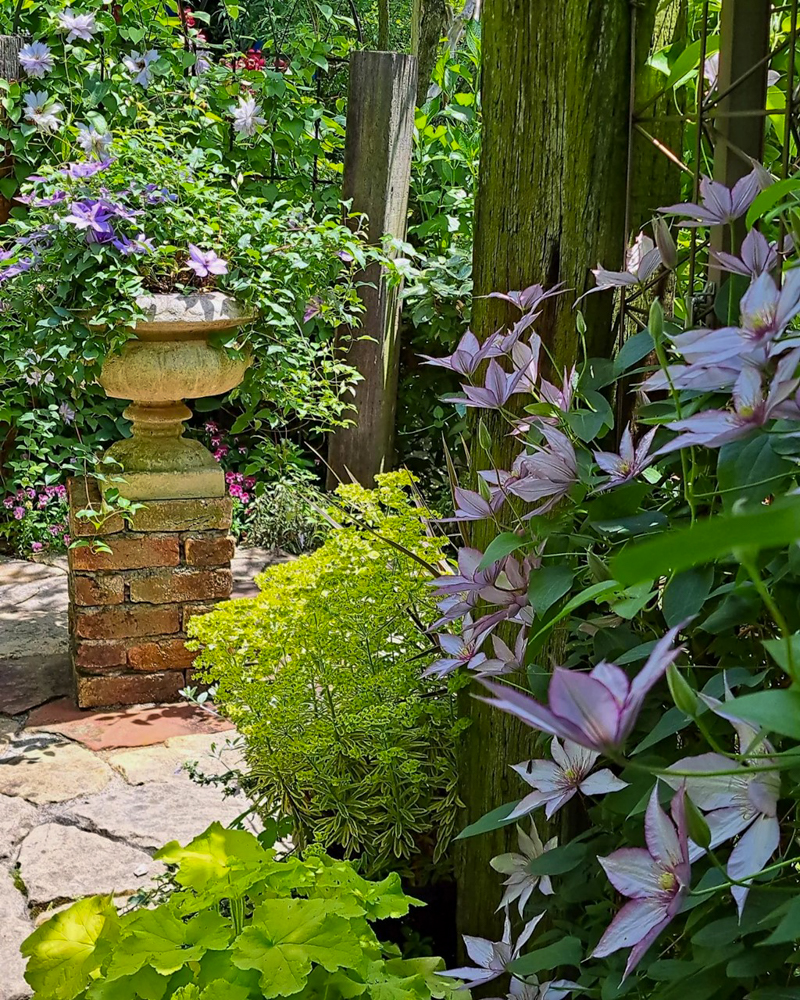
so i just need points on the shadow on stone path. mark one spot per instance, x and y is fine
(87, 797)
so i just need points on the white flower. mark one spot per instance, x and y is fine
(36, 59)
(43, 111)
(521, 882)
(203, 63)
(247, 116)
(77, 25)
(138, 65)
(92, 142)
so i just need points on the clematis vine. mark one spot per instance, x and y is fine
(556, 781)
(631, 461)
(521, 882)
(655, 880)
(596, 710)
(491, 958)
(36, 59)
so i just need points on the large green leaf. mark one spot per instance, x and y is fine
(706, 541)
(375, 900)
(155, 938)
(288, 936)
(567, 951)
(64, 952)
(146, 984)
(751, 470)
(548, 585)
(686, 594)
(778, 711)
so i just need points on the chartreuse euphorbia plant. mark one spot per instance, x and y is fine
(665, 552)
(242, 924)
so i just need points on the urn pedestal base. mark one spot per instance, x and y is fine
(129, 607)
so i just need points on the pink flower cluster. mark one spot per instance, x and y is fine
(20, 502)
(240, 486)
(220, 447)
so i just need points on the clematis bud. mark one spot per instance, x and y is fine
(665, 243)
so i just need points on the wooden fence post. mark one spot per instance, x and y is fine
(739, 127)
(377, 175)
(10, 46)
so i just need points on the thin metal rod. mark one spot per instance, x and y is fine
(689, 117)
(673, 157)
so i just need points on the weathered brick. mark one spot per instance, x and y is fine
(84, 494)
(209, 550)
(129, 689)
(195, 611)
(129, 552)
(205, 514)
(100, 655)
(166, 654)
(94, 590)
(126, 621)
(162, 586)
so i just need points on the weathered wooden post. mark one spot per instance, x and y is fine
(10, 46)
(741, 95)
(377, 174)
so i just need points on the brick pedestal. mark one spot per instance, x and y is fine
(129, 607)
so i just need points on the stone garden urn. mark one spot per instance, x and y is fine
(171, 360)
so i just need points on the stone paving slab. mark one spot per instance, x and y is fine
(149, 816)
(15, 926)
(58, 862)
(133, 727)
(165, 763)
(43, 772)
(17, 819)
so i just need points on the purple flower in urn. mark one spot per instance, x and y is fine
(205, 262)
(655, 880)
(556, 781)
(596, 710)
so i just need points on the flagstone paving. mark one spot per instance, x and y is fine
(86, 798)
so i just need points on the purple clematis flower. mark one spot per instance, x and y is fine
(655, 880)
(499, 386)
(138, 65)
(141, 245)
(205, 262)
(629, 463)
(43, 111)
(468, 355)
(460, 650)
(596, 710)
(548, 474)
(720, 205)
(757, 257)
(472, 506)
(752, 409)
(36, 59)
(92, 217)
(88, 168)
(766, 311)
(529, 298)
(505, 659)
(491, 958)
(522, 883)
(552, 989)
(525, 358)
(556, 781)
(641, 262)
(13, 270)
(509, 592)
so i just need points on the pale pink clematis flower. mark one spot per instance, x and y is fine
(641, 262)
(521, 882)
(557, 780)
(757, 257)
(629, 463)
(491, 958)
(720, 205)
(655, 880)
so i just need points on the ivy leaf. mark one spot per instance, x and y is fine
(287, 936)
(68, 948)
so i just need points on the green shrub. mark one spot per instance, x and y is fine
(288, 516)
(243, 924)
(321, 674)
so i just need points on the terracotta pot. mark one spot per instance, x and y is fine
(169, 361)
